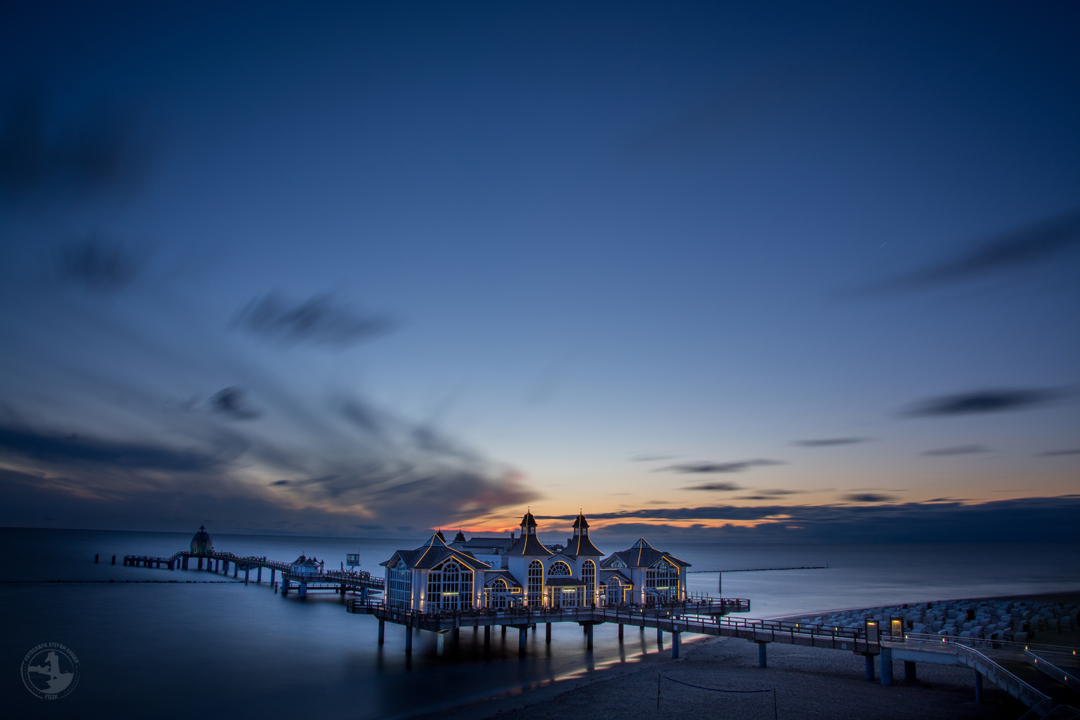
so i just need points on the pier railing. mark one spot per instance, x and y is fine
(1045, 662)
(1040, 703)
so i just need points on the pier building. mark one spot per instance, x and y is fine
(515, 572)
(201, 542)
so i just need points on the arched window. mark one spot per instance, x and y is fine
(613, 591)
(536, 583)
(559, 569)
(663, 580)
(499, 592)
(449, 587)
(588, 574)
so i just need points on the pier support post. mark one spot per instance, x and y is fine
(113, 559)
(301, 590)
(870, 667)
(523, 638)
(909, 670)
(504, 630)
(247, 569)
(978, 687)
(258, 575)
(284, 585)
(457, 635)
(382, 631)
(588, 636)
(95, 558)
(659, 636)
(200, 564)
(440, 643)
(185, 563)
(273, 571)
(235, 570)
(886, 666)
(675, 640)
(408, 639)
(547, 637)
(487, 637)
(762, 655)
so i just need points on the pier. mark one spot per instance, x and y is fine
(339, 582)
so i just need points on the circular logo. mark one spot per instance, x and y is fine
(50, 671)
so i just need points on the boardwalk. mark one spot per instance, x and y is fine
(334, 580)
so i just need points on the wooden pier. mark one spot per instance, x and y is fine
(361, 583)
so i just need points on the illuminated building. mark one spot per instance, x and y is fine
(501, 573)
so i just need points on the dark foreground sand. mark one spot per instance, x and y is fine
(809, 683)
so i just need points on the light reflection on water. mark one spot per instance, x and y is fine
(223, 649)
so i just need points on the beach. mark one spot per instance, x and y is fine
(808, 683)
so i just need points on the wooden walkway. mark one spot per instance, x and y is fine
(335, 580)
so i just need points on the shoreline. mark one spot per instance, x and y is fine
(709, 660)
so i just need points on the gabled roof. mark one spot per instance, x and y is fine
(606, 575)
(433, 553)
(642, 555)
(529, 545)
(490, 576)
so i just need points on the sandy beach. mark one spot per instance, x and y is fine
(808, 683)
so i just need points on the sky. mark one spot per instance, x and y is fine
(749, 272)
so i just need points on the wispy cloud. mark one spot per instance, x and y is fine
(1038, 242)
(715, 467)
(321, 320)
(832, 442)
(89, 453)
(958, 450)
(869, 497)
(716, 487)
(232, 403)
(1057, 453)
(983, 401)
(98, 264)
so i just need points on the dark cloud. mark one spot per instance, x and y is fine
(958, 450)
(232, 403)
(983, 401)
(869, 497)
(712, 467)
(362, 416)
(943, 520)
(318, 321)
(830, 442)
(63, 450)
(41, 157)
(1056, 453)
(99, 265)
(716, 487)
(1024, 246)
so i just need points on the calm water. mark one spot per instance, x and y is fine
(220, 649)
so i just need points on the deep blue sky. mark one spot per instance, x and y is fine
(797, 270)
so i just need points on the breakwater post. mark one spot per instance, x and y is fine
(870, 667)
(886, 666)
(113, 559)
(95, 558)
(762, 655)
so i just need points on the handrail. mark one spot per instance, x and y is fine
(1016, 687)
(1065, 678)
(988, 644)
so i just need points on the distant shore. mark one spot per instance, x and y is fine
(808, 683)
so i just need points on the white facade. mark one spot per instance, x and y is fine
(499, 573)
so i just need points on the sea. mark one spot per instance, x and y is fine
(156, 643)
